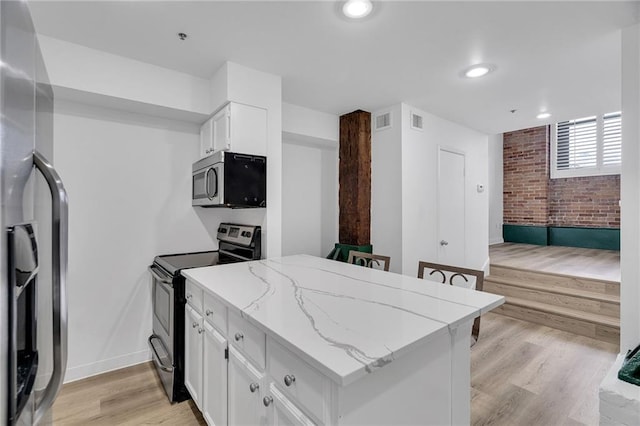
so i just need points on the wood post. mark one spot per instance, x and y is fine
(355, 178)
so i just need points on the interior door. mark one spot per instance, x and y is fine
(451, 207)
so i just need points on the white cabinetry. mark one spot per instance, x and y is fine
(193, 354)
(237, 128)
(282, 411)
(246, 394)
(214, 393)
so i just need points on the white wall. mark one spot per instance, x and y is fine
(495, 189)
(309, 180)
(404, 189)
(129, 184)
(630, 192)
(419, 189)
(82, 69)
(386, 185)
(310, 199)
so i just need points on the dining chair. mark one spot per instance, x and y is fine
(447, 274)
(368, 259)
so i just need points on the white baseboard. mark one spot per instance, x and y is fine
(486, 265)
(103, 366)
(496, 241)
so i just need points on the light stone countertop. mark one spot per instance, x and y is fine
(345, 320)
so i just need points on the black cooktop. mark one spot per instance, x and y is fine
(173, 263)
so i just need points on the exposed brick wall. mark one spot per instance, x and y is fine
(532, 198)
(590, 202)
(526, 177)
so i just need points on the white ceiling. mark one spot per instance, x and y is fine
(560, 56)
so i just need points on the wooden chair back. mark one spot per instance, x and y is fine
(368, 259)
(447, 274)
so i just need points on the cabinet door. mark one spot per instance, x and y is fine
(193, 354)
(206, 138)
(214, 390)
(222, 129)
(284, 412)
(245, 391)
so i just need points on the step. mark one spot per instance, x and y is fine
(556, 280)
(581, 300)
(588, 324)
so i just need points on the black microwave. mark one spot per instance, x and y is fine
(230, 179)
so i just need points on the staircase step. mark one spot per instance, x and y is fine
(580, 300)
(588, 324)
(556, 280)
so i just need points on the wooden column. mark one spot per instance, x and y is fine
(355, 178)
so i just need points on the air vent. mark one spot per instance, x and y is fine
(416, 121)
(383, 121)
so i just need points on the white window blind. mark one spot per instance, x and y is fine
(587, 146)
(612, 139)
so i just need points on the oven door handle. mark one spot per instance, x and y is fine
(156, 357)
(60, 239)
(159, 277)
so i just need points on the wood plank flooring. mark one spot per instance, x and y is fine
(130, 396)
(581, 262)
(521, 374)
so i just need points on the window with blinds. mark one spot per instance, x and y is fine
(587, 146)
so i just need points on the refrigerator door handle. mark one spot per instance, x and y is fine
(60, 225)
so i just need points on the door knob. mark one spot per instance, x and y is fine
(444, 243)
(254, 387)
(267, 400)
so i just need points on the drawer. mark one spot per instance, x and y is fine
(246, 337)
(193, 295)
(215, 312)
(303, 384)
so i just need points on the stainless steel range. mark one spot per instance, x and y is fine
(237, 243)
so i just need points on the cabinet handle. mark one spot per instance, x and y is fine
(200, 330)
(189, 296)
(267, 400)
(289, 379)
(238, 337)
(194, 325)
(254, 387)
(209, 312)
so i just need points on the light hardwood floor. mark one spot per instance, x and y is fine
(521, 374)
(580, 262)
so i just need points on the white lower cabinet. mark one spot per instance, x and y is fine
(245, 391)
(214, 366)
(193, 354)
(281, 411)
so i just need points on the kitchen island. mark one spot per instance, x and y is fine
(304, 340)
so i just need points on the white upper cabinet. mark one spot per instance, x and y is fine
(237, 128)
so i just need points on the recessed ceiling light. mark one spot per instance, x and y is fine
(356, 9)
(478, 70)
(543, 115)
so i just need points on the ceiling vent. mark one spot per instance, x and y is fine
(416, 121)
(383, 121)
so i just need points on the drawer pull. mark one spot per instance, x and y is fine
(254, 387)
(289, 379)
(209, 312)
(200, 330)
(238, 337)
(194, 325)
(189, 296)
(267, 400)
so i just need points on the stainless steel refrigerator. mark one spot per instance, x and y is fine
(33, 230)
